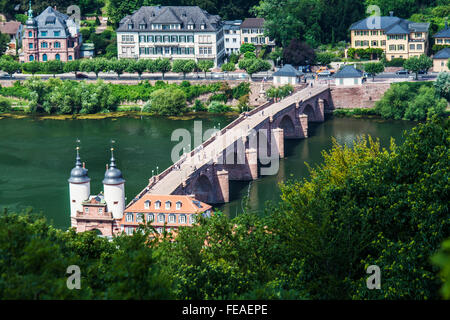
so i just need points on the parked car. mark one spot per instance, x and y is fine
(402, 72)
(325, 73)
(423, 72)
(81, 76)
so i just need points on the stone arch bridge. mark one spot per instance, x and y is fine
(247, 148)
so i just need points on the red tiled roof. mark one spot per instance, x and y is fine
(9, 27)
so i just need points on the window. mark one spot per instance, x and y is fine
(168, 203)
(30, 46)
(157, 204)
(341, 81)
(129, 217)
(355, 81)
(375, 43)
(44, 33)
(401, 47)
(44, 45)
(392, 47)
(190, 26)
(56, 33)
(30, 34)
(412, 47)
(150, 217)
(203, 26)
(142, 26)
(171, 218)
(129, 230)
(439, 40)
(182, 218)
(191, 219)
(159, 230)
(86, 210)
(161, 218)
(245, 39)
(418, 35)
(44, 57)
(178, 207)
(100, 210)
(70, 58)
(147, 204)
(127, 38)
(383, 42)
(130, 26)
(57, 44)
(31, 58)
(139, 217)
(419, 46)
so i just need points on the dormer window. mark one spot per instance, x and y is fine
(190, 26)
(157, 204)
(142, 26)
(147, 204)
(203, 26)
(168, 203)
(178, 206)
(130, 26)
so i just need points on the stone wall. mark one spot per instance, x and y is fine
(362, 96)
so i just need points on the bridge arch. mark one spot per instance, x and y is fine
(203, 189)
(287, 125)
(309, 111)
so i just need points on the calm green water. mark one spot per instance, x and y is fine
(36, 157)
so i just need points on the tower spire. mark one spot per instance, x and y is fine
(78, 159)
(30, 11)
(113, 160)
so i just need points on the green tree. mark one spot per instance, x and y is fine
(416, 64)
(95, 65)
(374, 68)
(138, 66)
(394, 102)
(118, 65)
(228, 67)
(442, 85)
(72, 66)
(4, 41)
(54, 67)
(183, 66)
(167, 101)
(324, 58)
(32, 67)
(163, 65)
(205, 65)
(247, 47)
(442, 260)
(9, 66)
(425, 105)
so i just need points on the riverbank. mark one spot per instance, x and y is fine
(111, 115)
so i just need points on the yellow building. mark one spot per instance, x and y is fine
(399, 38)
(440, 60)
(252, 31)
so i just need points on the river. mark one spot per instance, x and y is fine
(36, 157)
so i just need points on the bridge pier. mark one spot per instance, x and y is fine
(301, 129)
(223, 189)
(278, 139)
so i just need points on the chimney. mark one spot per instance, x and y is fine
(391, 13)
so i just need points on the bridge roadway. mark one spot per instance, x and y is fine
(168, 181)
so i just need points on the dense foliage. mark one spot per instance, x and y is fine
(411, 101)
(167, 101)
(363, 206)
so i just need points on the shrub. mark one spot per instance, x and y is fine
(5, 105)
(396, 62)
(167, 101)
(199, 106)
(219, 97)
(241, 89)
(217, 107)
